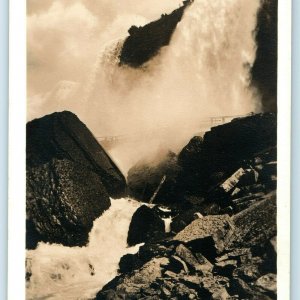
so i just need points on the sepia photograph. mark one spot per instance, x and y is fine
(151, 150)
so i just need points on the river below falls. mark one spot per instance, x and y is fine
(60, 272)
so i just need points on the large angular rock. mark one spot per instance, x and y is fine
(256, 225)
(145, 225)
(214, 227)
(63, 136)
(224, 149)
(63, 199)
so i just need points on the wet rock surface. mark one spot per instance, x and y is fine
(214, 257)
(69, 180)
(222, 243)
(62, 201)
(145, 225)
(233, 166)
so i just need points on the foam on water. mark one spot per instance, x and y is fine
(60, 272)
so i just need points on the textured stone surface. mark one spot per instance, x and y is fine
(62, 201)
(216, 227)
(255, 225)
(63, 136)
(207, 162)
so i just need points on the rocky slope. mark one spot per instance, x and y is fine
(214, 257)
(69, 180)
(222, 243)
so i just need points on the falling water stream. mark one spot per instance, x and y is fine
(60, 272)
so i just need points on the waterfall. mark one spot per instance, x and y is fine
(60, 272)
(204, 71)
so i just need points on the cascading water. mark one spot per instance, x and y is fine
(204, 71)
(60, 272)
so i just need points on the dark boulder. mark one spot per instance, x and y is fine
(63, 199)
(129, 262)
(63, 136)
(145, 225)
(207, 162)
(241, 288)
(183, 219)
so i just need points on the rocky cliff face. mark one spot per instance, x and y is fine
(224, 149)
(63, 136)
(69, 180)
(222, 243)
(145, 42)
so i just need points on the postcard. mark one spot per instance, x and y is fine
(149, 149)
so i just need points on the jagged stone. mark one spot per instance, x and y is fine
(241, 288)
(149, 251)
(129, 262)
(144, 178)
(225, 267)
(213, 286)
(176, 265)
(137, 282)
(241, 255)
(62, 201)
(63, 136)
(247, 272)
(268, 282)
(183, 219)
(216, 227)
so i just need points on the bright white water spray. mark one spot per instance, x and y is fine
(203, 72)
(60, 272)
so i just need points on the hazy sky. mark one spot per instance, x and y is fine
(64, 36)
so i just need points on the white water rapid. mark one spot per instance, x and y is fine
(74, 273)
